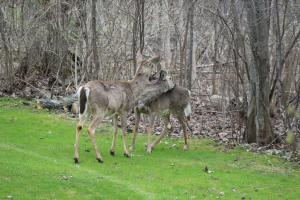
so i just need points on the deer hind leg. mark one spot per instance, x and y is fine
(78, 131)
(91, 131)
(124, 126)
(135, 130)
(149, 132)
(115, 136)
(166, 120)
(183, 123)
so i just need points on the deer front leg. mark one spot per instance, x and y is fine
(135, 130)
(124, 125)
(91, 131)
(165, 131)
(149, 132)
(115, 136)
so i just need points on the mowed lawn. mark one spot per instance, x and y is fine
(36, 162)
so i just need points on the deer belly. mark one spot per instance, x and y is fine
(116, 103)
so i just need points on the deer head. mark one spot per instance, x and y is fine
(146, 73)
(151, 83)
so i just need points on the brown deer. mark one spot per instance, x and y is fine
(100, 98)
(175, 101)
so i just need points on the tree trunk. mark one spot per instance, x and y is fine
(94, 38)
(7, 59)
(183, 71)
(191, 45)
(258, 22)
(160, 35)
(138, 27)
(134, 39)
(141, 24)
(215, 60)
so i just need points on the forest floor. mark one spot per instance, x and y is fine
(36, 151)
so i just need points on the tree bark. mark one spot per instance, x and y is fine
(258, 22)
(94, 38)
(138, 30)
(191, 45)
(8, 59)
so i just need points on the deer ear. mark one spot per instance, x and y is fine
(154, 60)
(140, 62)
(139, 58)
(139, 69)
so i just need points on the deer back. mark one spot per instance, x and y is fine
(110, 96)
(174, 100)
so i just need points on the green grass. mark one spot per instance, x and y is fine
(36, 162)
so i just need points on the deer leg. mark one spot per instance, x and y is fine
(91, 131)
(124, 125)
(135, 130)
(76, 145)
(183, 123)
(78, 130)
(149, 132)
(114, 142)
(165, 131)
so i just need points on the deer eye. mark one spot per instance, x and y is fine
(152, 77)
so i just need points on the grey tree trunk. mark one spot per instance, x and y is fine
(160, 35)
(191, 45)
(258, 18)
(94, 38)
(8, 59)
(183, 46)
(138, 27)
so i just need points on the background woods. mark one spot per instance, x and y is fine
(241, 59)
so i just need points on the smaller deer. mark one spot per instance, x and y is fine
(175, 101)
(100, 98)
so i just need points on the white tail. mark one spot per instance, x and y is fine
(188, 108)
(83, 96)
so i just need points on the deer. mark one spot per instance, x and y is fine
(117, 99)
(175, 101)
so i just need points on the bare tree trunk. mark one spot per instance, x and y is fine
(138, 27)
(141, 24)
(76, 67)
(183, 47)
(159, 38)
(94, 39)
(215, 60)
(191, 45)
(134, 39)
(258, 23)
(279, 64)
(239, 52)
(8, 59)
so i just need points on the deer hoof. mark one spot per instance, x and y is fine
(149, 149)
(126, 155)
(112, 153)
(132, 148)
(76, 160)
(99, 160)
(185, 147)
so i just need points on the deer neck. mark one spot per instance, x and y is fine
(136, 88)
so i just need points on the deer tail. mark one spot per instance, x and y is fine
(188, 108)
(188, 113)
(83, 95)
